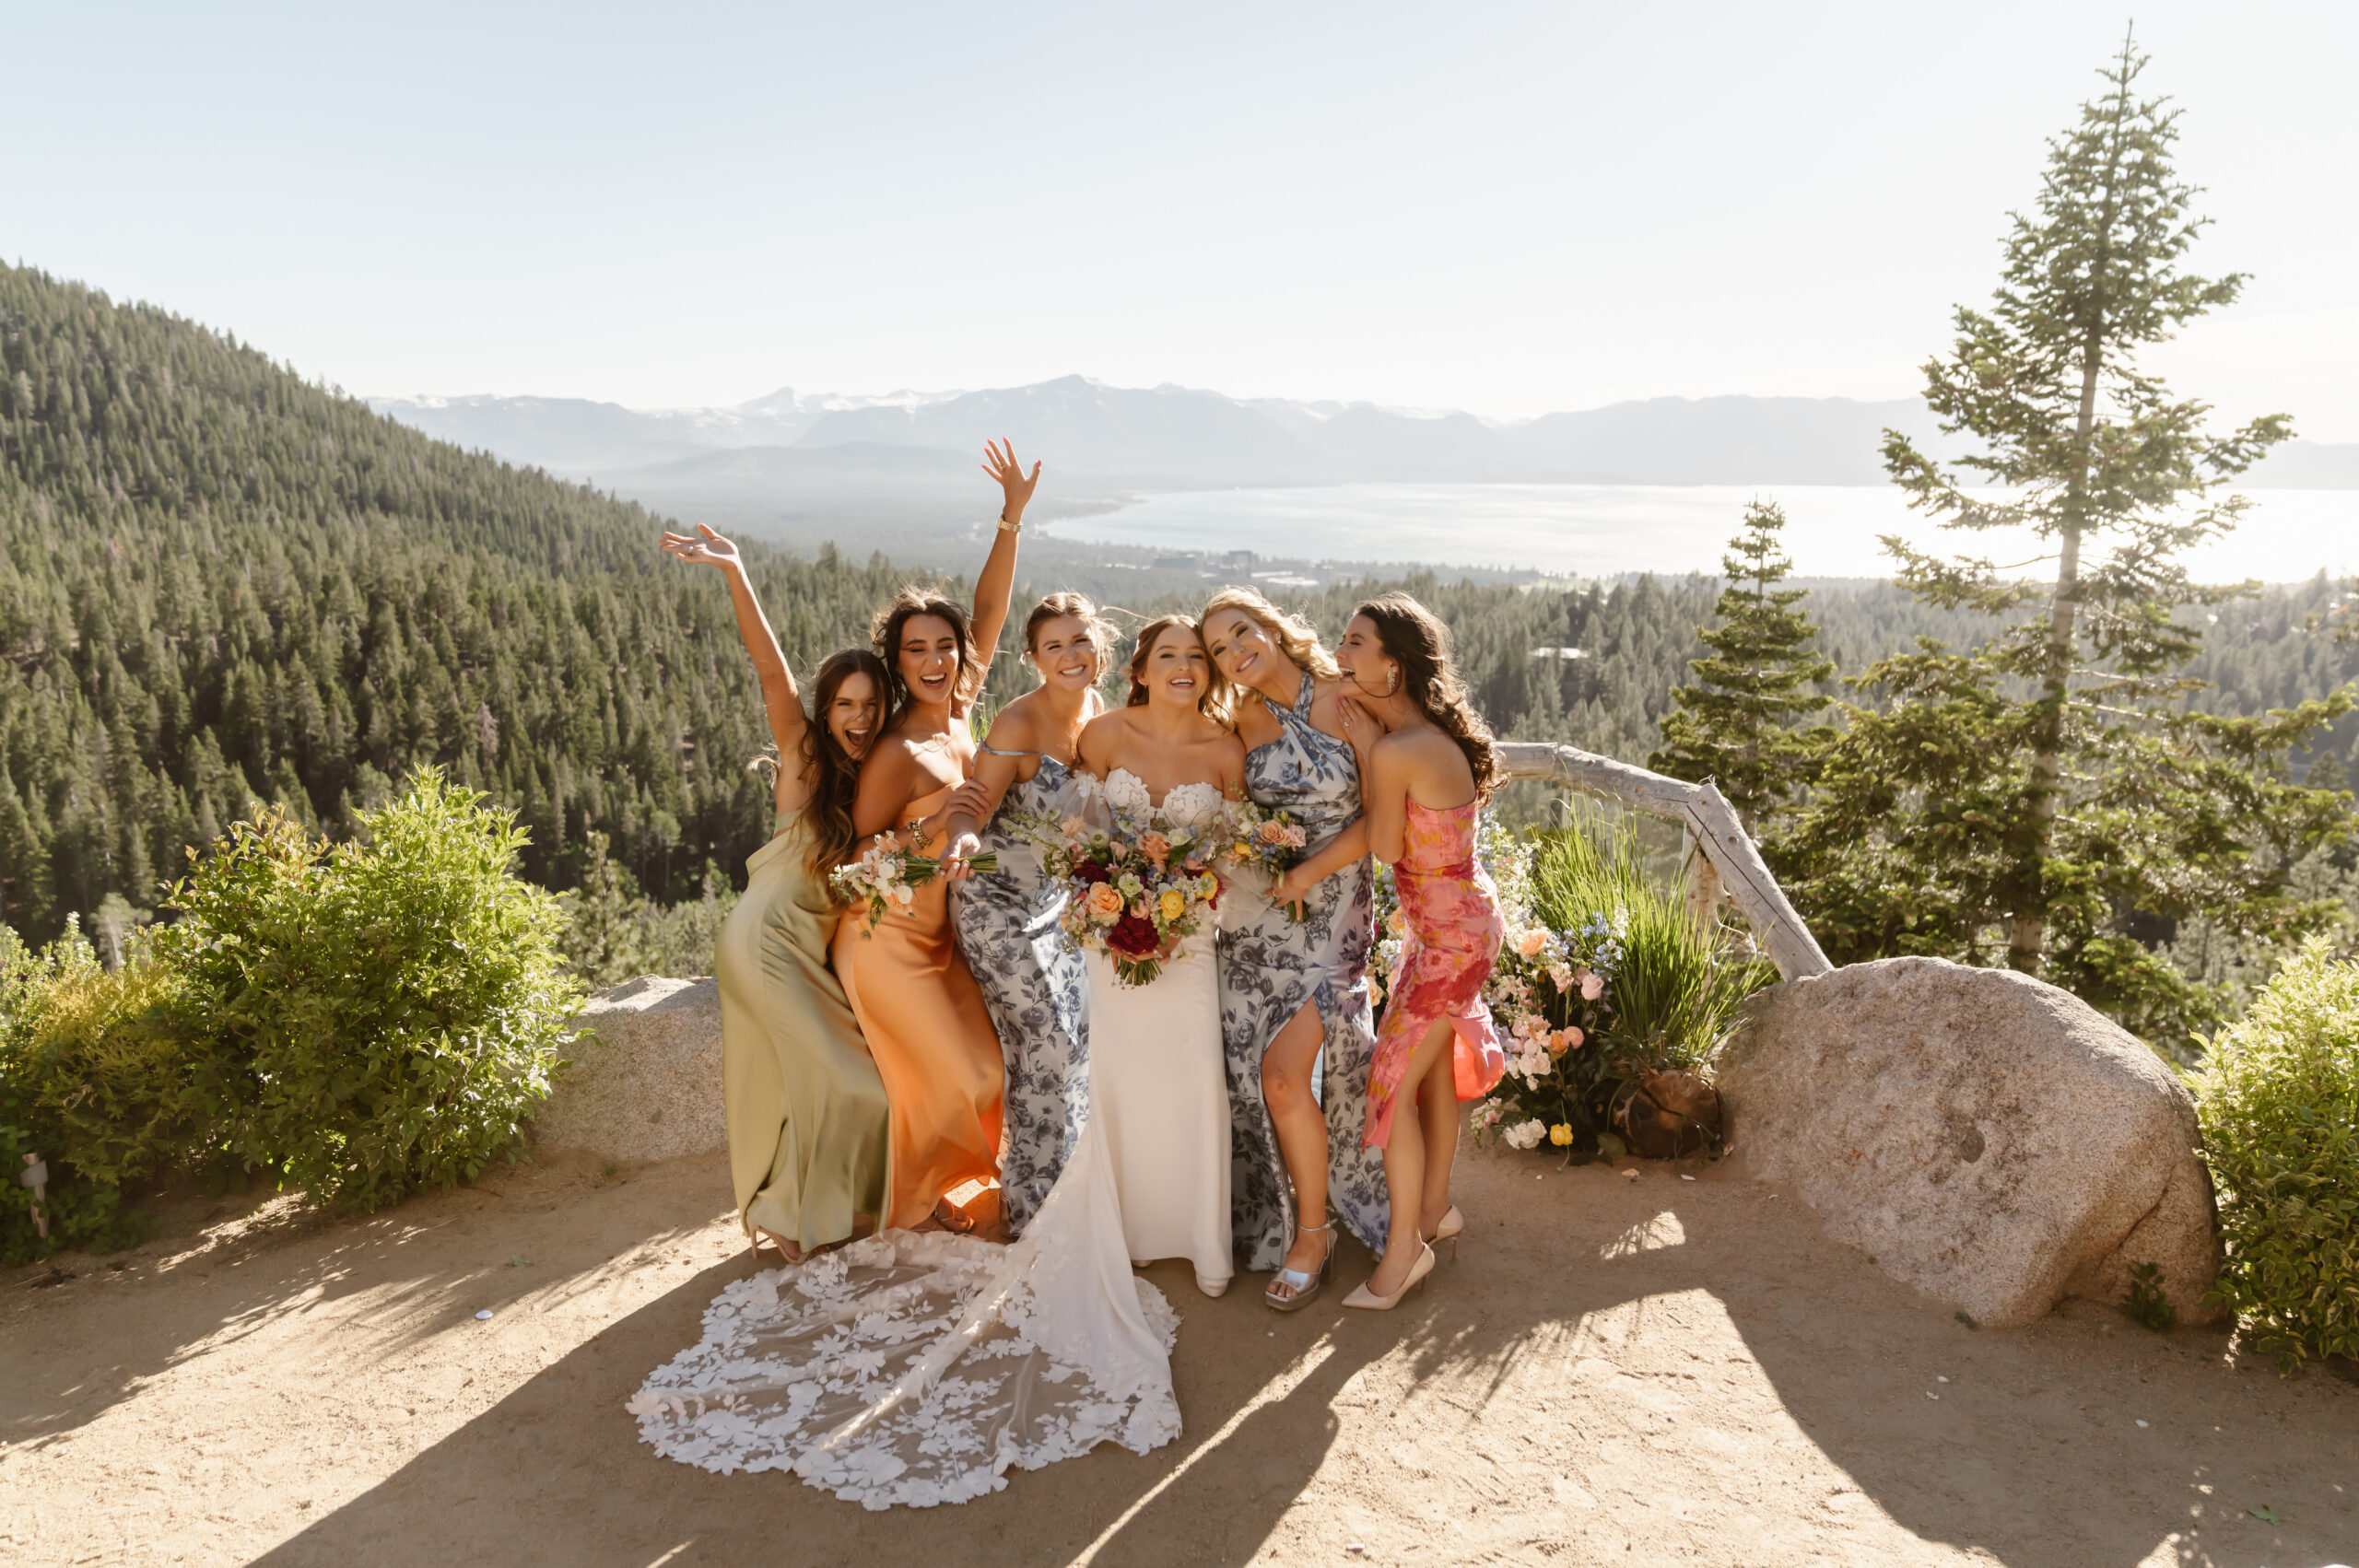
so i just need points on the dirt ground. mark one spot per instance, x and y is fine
(1613, 1371)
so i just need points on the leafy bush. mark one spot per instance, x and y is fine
(2279, 1101)
(374, 1016)
(91, 1083)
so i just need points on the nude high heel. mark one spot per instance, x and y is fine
(1369, 1301)
(1446, 1230)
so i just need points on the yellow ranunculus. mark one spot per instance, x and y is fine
(1172, 904)
(1561, 1135)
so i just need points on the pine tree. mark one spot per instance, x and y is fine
(2036, 799)
(1736, 723)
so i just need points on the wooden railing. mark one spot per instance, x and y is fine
(1721, 858)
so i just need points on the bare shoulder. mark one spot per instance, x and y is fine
(1016, 726)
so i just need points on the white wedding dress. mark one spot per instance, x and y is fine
(1159, 1081)
(918, 1368)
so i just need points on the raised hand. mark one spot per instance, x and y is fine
(705, 548)
(999, 462)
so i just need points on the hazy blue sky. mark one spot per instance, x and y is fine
(1504, 207)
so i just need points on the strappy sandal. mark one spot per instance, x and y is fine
(1304, 1283)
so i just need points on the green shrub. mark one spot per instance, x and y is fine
(91, 1083)
(1676, 989)
(375, 1016)
(2279, 1101)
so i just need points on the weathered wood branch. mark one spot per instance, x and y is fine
(1713, 829)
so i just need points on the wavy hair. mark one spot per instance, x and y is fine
(1213, 702)
(1056, 606)
(1297, 636)
(885, 631)
(1416, 638)
(834, 772)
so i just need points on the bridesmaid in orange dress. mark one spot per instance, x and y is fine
(917, 1002)
(1425, 769)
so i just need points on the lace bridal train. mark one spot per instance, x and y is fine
(917, 1368)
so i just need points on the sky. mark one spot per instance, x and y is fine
(1507, 208)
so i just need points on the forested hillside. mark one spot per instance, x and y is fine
(221, 582)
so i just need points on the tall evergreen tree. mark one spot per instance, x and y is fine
(1737, 723)
(2038, 799)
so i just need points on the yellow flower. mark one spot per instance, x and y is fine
(1171, 904)
(1561, 1135)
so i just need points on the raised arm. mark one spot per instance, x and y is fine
(778, 695)
(995, 588)
(1384, 786)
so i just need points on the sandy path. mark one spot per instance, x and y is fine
(1615, 1372)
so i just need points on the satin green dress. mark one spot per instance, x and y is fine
(804, 1106)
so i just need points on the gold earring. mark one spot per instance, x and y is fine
(1393, 680)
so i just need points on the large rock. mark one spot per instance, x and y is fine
(1988, 1138)
(645, 1078)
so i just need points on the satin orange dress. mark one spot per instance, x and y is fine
(927, 1028)
(1454, 930)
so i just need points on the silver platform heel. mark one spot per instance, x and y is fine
(1305, 1284)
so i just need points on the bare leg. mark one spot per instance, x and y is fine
(1437, 1121)
(1404, 1168)
(1302, 1129)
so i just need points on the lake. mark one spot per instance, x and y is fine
(1605, 530)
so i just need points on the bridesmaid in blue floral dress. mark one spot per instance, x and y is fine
(1033, 981)
(1294, 993)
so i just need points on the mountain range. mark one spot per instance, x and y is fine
(902, 466)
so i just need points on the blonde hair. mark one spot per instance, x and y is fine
(1296, 636)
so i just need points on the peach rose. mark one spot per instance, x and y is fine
(1532, 943)
(1271, 832)
(1105, 903)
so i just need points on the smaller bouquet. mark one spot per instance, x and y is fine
(887, 877)
(1138, 892)
(1269, 840)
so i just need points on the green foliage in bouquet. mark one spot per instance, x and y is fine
(373, 1016)
(2279, 1102)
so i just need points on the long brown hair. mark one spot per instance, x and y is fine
(1213, 702)
(885, 630)
(834, 772)
(1417, 638)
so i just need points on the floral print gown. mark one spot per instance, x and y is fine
(1269, 966)
(1451, 912)
(1035, 986)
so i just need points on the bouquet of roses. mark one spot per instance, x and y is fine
(1269, 840)
(888, 874)
(1138, 889)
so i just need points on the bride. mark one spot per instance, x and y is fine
(916, 1368)
(1158, 1071)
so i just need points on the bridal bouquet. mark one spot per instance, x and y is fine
(1138, 890)
(1267, 839)
(888, 876)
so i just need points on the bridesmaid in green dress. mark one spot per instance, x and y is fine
(800, 1092)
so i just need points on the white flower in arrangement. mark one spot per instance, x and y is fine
(1527, 1136)
(1592, 985)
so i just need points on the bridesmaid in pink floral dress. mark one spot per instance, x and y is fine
(1427, 767)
